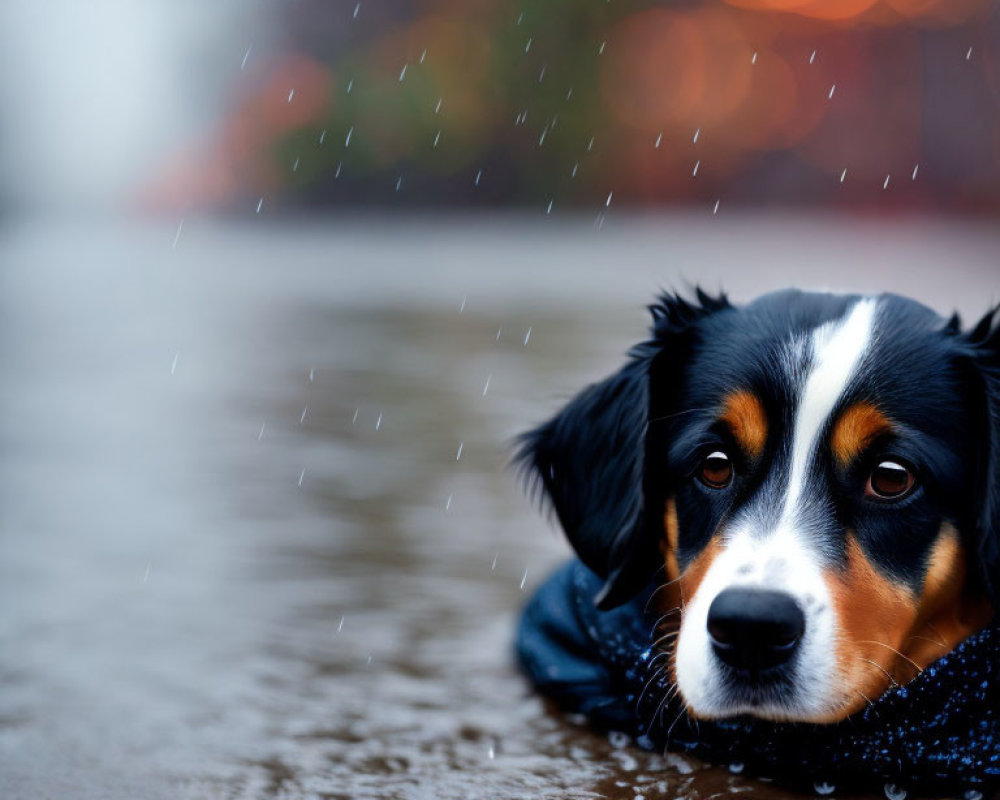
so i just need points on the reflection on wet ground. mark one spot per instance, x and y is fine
(258, 538)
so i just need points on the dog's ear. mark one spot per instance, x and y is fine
(590, 459)
(984, 345)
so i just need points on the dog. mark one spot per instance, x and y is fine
(811, 480)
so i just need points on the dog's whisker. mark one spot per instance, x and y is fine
(679, 414)
(881, 669)
(909, 660)
(659, 589)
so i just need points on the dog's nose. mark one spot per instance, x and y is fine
(755, 629)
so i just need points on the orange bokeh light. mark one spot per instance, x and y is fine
(668, 69)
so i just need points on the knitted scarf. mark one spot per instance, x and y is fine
(937, 734)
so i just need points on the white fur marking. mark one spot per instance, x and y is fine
(837, 349)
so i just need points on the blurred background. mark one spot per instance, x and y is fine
(279, 281)
(167, 107)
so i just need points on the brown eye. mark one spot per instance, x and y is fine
(716, 471)
(890, 480)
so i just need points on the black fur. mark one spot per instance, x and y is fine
(984, 347)
(591, 458)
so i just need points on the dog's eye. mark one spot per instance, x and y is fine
(716, 471)
(890, 480)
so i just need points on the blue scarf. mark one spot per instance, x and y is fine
(940, 733)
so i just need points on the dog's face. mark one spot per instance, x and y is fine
(815, 475)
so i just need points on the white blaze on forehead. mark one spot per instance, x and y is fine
(837, 350)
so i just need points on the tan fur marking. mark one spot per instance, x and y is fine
(871, 611)
(680, 586)
(744, 414)
(887, 634)
(857, 426)
(671, 540)
(949, 611)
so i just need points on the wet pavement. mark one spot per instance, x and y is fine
(258, 537)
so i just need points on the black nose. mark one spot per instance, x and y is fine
(755, 629)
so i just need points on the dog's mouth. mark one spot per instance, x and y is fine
(761, 693)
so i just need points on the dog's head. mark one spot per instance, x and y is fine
(814, 481)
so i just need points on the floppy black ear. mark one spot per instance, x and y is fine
(591, 458)
(984, 341)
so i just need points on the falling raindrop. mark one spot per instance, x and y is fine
(590, 144)
(576, 166)
(968, 54)
(519, 18)
(246, 55)
(437, 138)
(527, 47)
(697, 133)
(291, 94)
(658, 140)
(145, 575)
(302, 476)
(261, 434)
(302, 417)
(336, 173)
(437, 106)
(378, 422)
(541, 139)
(447, 503)
(812, 58)
(399, 183)
(340, 625)
(541, 74)
(753, 58)
(461, 446)
(402, 73)
(493, 566)
(527, 336)
(885, 184)
(498, 332)
(178, 234)
(347, 139)
(715, 208)
(479, 175)
(694, 172)
(832, 90)
(491, 753)
(843, 175)
(357, 8)
(524, 577)
(548, 208)
(173, 365)
(461, 308)
(600, 50)
(260, 204)
(312, 374)
(569, 93)
(350, 85)
(423, 55)
(913, 176)
(322, 135)
(607, 203)
(295, 165)
(355, 417)
(486, 386)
